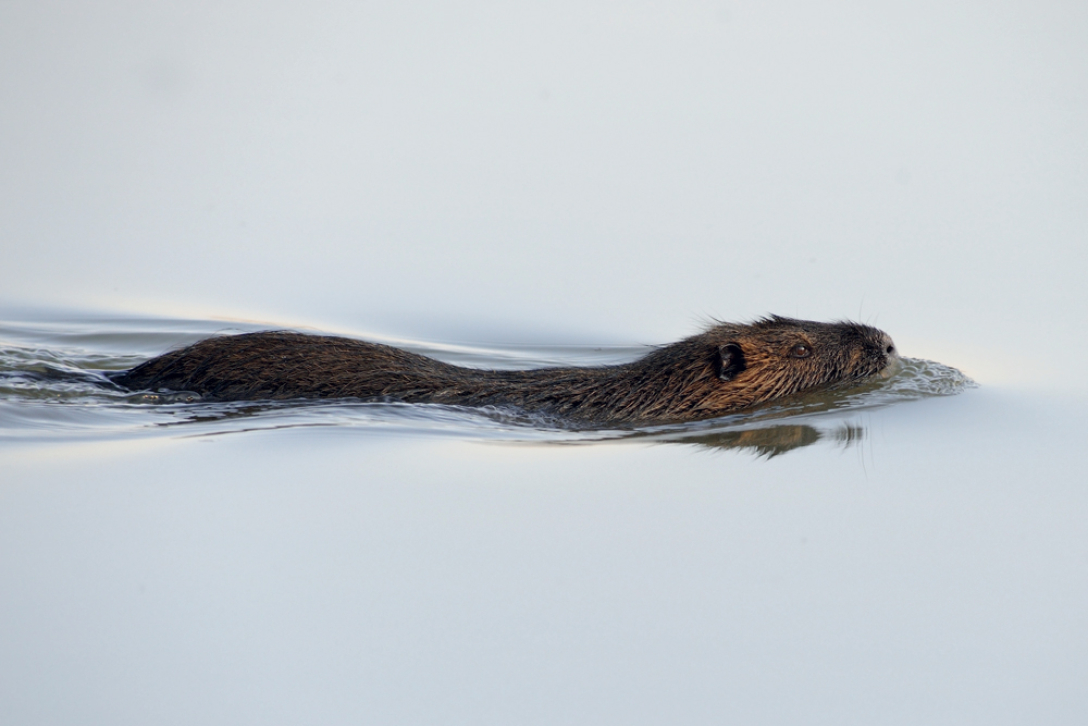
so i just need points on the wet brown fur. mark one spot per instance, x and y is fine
(727, 368)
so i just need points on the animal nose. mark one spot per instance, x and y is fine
(892, 361)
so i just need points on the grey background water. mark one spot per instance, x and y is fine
(519, 185)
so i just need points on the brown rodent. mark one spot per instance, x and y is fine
(727, 368)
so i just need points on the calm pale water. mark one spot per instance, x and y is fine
(355, 561)
(514, 186)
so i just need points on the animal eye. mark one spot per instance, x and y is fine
(800, 351)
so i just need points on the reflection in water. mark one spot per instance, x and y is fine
(54, 383)
(771, 441)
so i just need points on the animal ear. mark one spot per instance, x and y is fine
(730, 361)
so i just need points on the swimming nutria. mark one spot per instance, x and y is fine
(727, 368)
